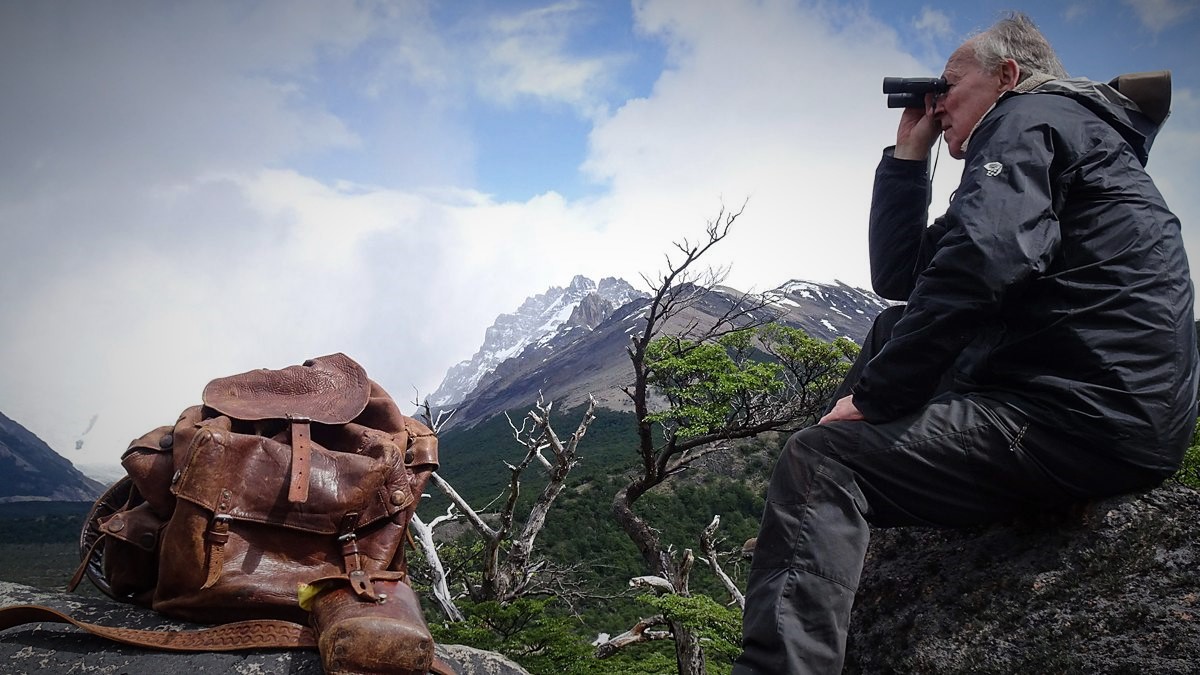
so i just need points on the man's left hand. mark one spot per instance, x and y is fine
(843, 411)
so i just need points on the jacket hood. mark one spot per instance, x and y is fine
(1137, 124)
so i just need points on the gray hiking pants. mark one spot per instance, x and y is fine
(962, 460)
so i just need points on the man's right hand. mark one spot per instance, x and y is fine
(917, 132)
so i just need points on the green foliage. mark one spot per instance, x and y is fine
(817, 367)
(526, 631)
(545, 641)
(704, 381)
(772, 371)
(1189, 471)
(650, 659)
(719, 628)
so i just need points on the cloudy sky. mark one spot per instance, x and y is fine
(194, 189)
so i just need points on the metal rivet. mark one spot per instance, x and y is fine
(115, 524)
(148, 540)
(409, 457)
(166, 441)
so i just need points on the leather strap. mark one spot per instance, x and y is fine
(259, 634)
(216, 537)
(87, 560)
(301, 459)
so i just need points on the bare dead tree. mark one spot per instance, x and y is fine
(510, 568)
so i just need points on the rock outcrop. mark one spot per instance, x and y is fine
(59, 648)
(1113, 587)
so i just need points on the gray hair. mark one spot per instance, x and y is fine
(1016, 37)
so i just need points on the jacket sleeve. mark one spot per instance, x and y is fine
(1001, 230)
(899, 246)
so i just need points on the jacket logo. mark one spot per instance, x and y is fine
(992, 168)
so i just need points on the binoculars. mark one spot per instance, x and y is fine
(909, 92)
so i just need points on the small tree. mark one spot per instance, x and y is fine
(510, 570)
(734, 376)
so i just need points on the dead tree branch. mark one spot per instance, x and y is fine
(639, 633)
(439, 584)
(709, 548)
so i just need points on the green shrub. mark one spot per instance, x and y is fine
(527, 631)
(1189, 472)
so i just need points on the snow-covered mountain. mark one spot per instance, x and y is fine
(583, 303)
(586, 355)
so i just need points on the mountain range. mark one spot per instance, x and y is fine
(569, 343)
(581, 304)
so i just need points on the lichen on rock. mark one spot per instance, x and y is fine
(1109, 587)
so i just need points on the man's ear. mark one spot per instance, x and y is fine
(1010, 74)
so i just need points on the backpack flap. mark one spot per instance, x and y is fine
(330, 389)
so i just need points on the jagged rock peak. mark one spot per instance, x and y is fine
(581, 283)
(590, 311)
(538, 317)
(618, 291)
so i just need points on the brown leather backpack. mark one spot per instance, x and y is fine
(282, 503)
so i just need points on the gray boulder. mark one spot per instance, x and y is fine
(60, 648)
(1111, 587)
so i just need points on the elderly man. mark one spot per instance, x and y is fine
(1046, 353)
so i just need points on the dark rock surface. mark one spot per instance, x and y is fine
(60, 648)
(1112, 587)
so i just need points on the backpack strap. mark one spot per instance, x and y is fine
(257, 634)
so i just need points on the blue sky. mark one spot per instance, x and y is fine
(194, 188)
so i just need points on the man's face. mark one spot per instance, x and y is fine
(971, 93)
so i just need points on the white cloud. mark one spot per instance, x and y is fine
(934, 23)
(779, 104)
(1158, 15)
(527, 55)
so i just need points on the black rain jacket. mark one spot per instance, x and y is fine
(1056, 282)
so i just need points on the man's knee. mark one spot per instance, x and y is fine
(801, 457)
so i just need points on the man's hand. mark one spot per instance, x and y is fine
(843, 411)
(917, 132)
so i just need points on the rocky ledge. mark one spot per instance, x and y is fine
(1112, 587)
(59, 648)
